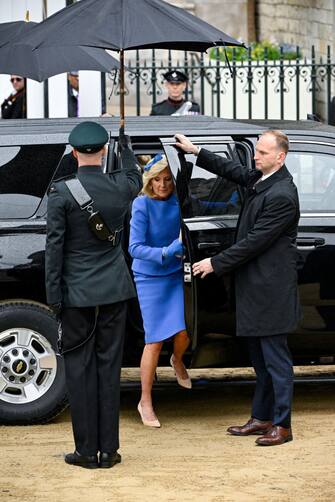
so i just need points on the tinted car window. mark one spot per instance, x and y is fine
(67, 166)
(207, 193)
(314, 175)
(25, 173)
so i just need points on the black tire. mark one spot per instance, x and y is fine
(47, 404)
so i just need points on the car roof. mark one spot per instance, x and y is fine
(39, 131)
(290, 126)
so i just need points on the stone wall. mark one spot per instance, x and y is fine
(298, 22)
(231, 17)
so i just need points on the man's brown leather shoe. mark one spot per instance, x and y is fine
(253, 426)
(277, 435)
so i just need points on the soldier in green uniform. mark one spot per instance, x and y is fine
(88, 285)
(175, 104)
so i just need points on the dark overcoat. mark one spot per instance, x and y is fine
(14, 107)
(264, 255)
(81, 270)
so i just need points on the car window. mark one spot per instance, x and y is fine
(202, 193)
(314, 176)
(25, 174)
(67, 166)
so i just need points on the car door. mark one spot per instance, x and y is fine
(210, 207)
(312, 164)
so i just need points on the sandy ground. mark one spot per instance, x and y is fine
(191, 458)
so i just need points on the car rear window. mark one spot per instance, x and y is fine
(25, 174)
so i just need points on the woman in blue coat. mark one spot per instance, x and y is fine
(157, 254)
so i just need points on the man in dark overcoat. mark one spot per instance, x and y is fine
(263, 259)
(87, 286)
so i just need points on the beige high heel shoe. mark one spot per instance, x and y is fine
(183, 382)
(149, 423)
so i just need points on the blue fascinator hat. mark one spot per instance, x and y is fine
(153, 161)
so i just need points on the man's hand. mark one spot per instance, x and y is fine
(203, 267)
(185, 144)
(124, 141)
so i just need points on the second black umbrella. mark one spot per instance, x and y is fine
(20, 59)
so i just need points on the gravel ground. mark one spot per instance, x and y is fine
(191, 458)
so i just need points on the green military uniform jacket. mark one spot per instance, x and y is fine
(81, 270)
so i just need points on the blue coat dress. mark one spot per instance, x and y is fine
(155, 224)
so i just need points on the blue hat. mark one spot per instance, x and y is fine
(153, 161)
(88, 137)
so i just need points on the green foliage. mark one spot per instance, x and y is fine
(258, 50)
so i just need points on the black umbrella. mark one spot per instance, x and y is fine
(18, 57)
(127, 24)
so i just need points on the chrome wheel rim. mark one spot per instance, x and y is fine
(28, 365)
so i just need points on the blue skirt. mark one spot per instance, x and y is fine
(161, 300)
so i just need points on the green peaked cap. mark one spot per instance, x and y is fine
(88, 137)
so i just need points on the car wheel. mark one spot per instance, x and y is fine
(32, 377)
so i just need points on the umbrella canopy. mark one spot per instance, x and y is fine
(127, 24)
(16, 29)
(18, 58)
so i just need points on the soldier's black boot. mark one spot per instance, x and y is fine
(108, 460)
(86, 461)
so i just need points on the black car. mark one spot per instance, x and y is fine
(33, 152)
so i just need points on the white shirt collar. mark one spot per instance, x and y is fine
(266, 176)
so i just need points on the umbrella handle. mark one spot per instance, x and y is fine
(122, 121)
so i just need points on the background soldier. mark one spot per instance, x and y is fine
(73, 93)
(175, 104)
(88, 284)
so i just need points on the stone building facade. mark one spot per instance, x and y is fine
(298, 22)
(237, 18)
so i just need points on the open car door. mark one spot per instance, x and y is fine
(210, 207)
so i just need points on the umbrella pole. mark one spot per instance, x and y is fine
(122, 91)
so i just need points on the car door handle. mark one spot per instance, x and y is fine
(309, 243)
(209, 245)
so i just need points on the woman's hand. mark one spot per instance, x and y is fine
(185, 144)
(176, 249)
(202, 267)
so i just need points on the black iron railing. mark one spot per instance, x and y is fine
(279, 89)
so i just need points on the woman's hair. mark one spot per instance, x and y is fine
(151, 173)
(143, 160)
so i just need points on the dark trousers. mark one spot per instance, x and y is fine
(272, 361)
(93, 374)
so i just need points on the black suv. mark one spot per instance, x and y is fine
(33, 152)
